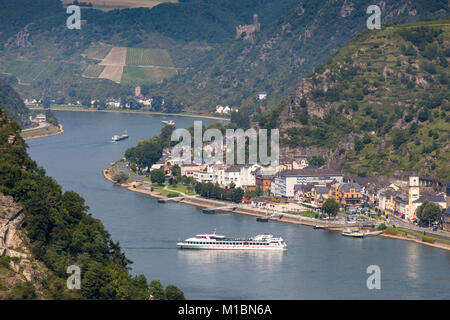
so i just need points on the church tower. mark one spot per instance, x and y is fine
(414, 194)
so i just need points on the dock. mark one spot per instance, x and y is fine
(176, 199)
(215, 209)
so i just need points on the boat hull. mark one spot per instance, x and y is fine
(228, 248)
(353, 235)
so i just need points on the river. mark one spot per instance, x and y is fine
(318, 264)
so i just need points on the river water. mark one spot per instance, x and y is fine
(318, 264)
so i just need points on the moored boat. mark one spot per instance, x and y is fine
(353, 234)
(116, 137)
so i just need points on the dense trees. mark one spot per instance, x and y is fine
(146, 153)
(11, 102)
(120, 177)
(158, 176)
(62, 232)
(330, 207)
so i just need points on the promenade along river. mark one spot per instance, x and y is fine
(317, 265)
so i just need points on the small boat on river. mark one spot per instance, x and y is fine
(352, 234)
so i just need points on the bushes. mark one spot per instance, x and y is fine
(428, 239)
(22, 291)
(120, 177)
(391, 231)
(381, 227)
(173, 194)
(62, 232)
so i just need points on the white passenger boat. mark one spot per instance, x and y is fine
(353, 234)
(218, 242)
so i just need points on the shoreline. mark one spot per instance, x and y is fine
(206, 203)
(131, 111)
(435, 245)
(61, 130)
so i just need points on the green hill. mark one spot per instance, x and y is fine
(13, 104)
(379, 106)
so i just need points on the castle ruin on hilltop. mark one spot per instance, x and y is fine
(249, 29)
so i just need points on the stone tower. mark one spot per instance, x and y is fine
(256, 23)
(414, 194)
(137, 91)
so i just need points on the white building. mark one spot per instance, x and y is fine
(219, 109)
(248, 175)
(113, 104)
(146, 102)
(284, 182)
(41, 118)
(261, 96)
(232, 174)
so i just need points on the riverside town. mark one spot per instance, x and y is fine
(210, 157)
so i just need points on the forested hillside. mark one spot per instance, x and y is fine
(13, 104)
(42, 58)
(286, 50)
(61, 231)
(380, 106)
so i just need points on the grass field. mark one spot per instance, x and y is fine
(182, 188)
(97, 52)
(145, 57)
(133, 75)
(93, 71)
(51, 129)
(31, 71)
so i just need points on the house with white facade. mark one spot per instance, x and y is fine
(203, 177)
(261, 95)
(284, 182)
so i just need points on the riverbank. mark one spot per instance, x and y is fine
(48, 131)
(192, 115)
(208, 203)
(417, 240)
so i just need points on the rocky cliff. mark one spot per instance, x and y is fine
(17, 263)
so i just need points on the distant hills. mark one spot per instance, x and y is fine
(286, 50)
(12, 103)
(35, 38)
(380, 106)
(42, 58)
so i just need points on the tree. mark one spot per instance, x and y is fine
(120, 177)
(316, 161)
(176, 170)
(146, 153)
(158, 176)
(429, 212)
(157, 291)
(237, 195)
(330, 207)
(173, 293)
